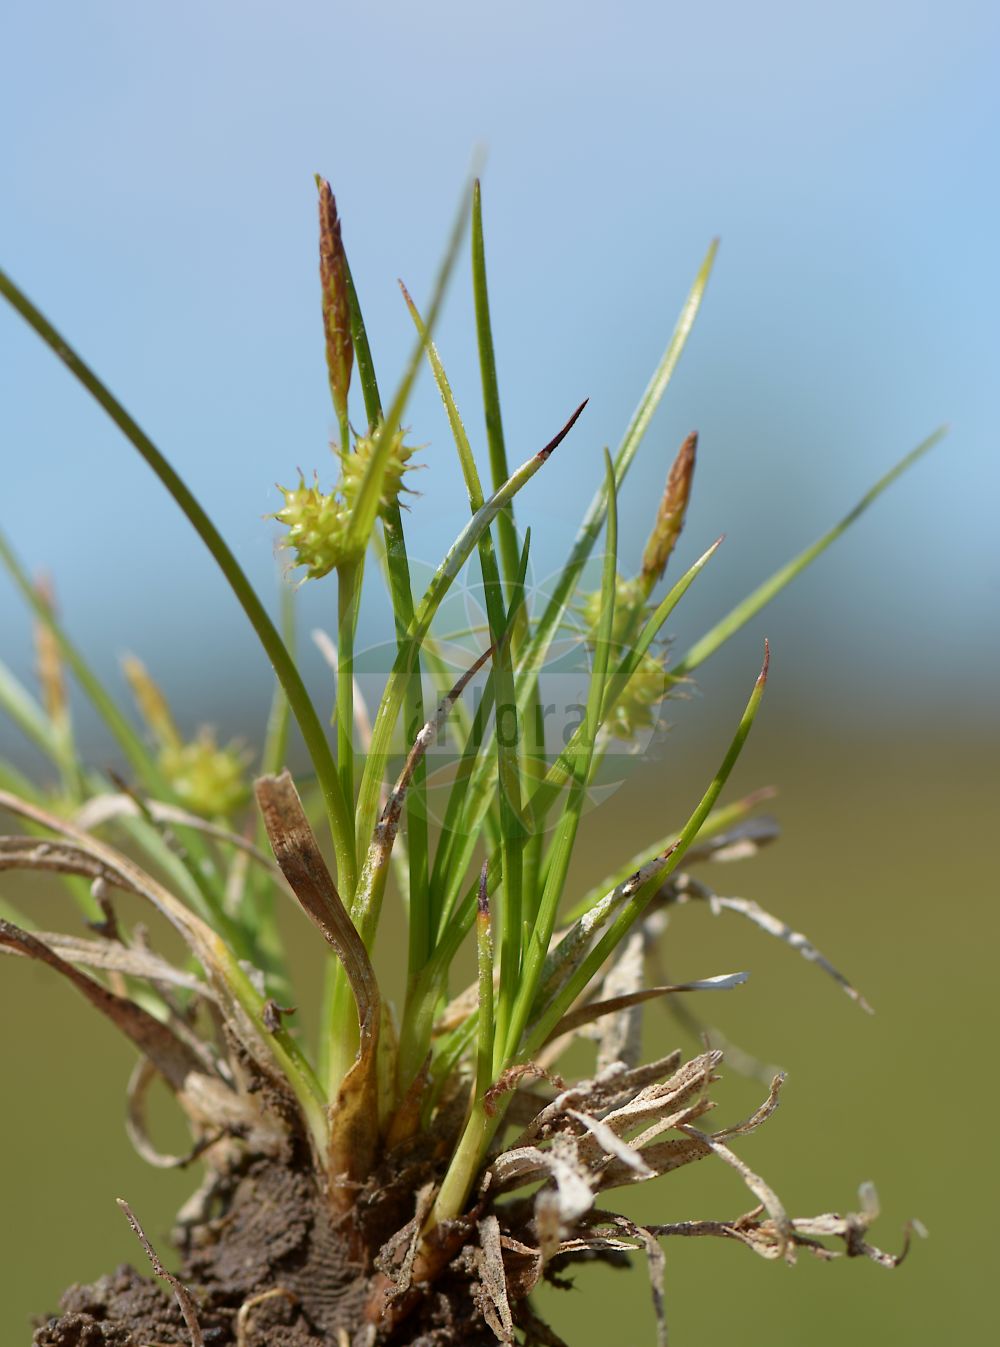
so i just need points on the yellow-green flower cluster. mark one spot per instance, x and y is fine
(650, 683)
(637, 706)
(353, 468)
(317, 522)
(630, 601)
(317, 527)
(208, 779)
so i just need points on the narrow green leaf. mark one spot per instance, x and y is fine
(773, 586)
(128, 740)
(426, 982)
(27, 715)
(448, 571)
(581, 767)
(536, 650)
(284, 665)
(485, 1026)
(545, 1021)
(718, 821)
(397, 570)
(369, 493)
(559, 772)
(506, 529)
(513, 828)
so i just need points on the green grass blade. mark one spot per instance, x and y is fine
(370, 491)
(537, 648)
(397, 570)
(513, 830)
(28, 716)
(425, 984)
(485, 1027)
(773, 586)
(349, 581)
(581, 767)
(718, 821)
(363, 353)
(275, 749)
(456, 843)
(128, 739)
(499, 472)
(448, 571)
(480, 1126)
(267, 634)
(260, 890)
(452, 855)
(559, 772)
(476, 798)
(546, 1021)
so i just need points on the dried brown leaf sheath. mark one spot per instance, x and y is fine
(354, 1116)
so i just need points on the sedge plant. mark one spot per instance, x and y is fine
(424, 1165)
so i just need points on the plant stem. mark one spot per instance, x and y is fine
(348, 595)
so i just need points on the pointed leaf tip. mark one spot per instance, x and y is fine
(762, 677)
(558, 439)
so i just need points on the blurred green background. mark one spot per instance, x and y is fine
(159, 206)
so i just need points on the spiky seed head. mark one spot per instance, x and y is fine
(208, 779)
(317, 527)
(650, 682)
(636, 709)
(354, 465)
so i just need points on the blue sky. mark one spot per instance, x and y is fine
(159, 206)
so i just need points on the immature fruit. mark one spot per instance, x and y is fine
(650, 682)
(317, 527)
(630, 600)
(354, 466)
(208, 779)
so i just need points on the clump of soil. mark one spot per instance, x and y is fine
(266, 1266)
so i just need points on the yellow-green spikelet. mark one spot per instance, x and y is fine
(354, 465)
(209, 779)
(650, 681)
(317, 525)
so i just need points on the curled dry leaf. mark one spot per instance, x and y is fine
(136, 1129)
(174, 1059)
(354, 1128)
(620, 1033)
(101, 809)
(493, 1280)
(274, 1056)
(685, 889)
(113, 957)
(595, 1010)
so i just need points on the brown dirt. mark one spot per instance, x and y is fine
(262, 1229)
